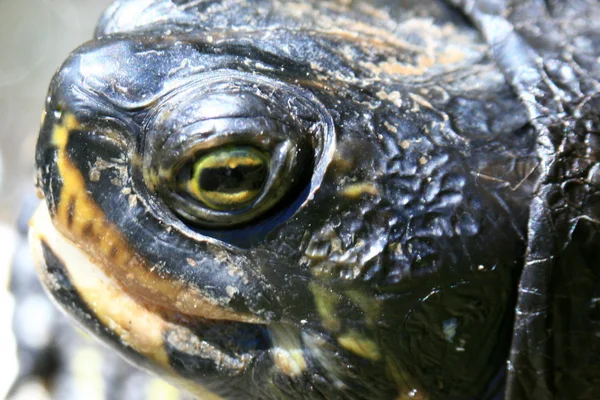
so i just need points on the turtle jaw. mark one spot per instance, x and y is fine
(145, 335)
(179, 348)
(66, 271)
(184, 350)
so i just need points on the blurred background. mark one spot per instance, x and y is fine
(35, 37)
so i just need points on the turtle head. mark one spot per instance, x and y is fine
(274, 206)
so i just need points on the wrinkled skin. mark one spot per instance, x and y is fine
(440, 241)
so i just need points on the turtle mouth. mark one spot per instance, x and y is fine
(66, 271)
(144, 333)
(176, 345)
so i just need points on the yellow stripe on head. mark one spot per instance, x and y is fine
(81, 220)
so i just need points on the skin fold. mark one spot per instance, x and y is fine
(338, 199)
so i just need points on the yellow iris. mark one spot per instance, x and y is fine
(229, 178)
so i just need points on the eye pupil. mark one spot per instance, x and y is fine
(226, 179)
(229, 178)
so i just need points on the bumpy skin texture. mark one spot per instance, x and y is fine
(443, 245)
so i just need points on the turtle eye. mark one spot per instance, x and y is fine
(235, 150)
(227, 184)
(230, 178)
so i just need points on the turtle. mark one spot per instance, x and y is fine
(334, 199)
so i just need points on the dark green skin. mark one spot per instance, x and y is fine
(488, 222)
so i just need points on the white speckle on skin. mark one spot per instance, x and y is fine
(390, 128)
(393, 97)
(449, 327)
(231, 291)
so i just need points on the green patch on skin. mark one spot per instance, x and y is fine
(360, 345)
(326, 302)
(356, 190)
(368, 304)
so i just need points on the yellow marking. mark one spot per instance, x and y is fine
(360, 345)
(287, 350)
(326, 302)
(134, 324)
(233, 162)
(137, 326)
(80, 219)
(348, 29)
(368, 36)
(289, 362)
(161, 390)
(368, 304)
(340, 163)
(231, 157)
(152, 178)
(355, 190)
(220, 200)
(230, 198)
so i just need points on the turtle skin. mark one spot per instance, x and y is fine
(332, 199)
